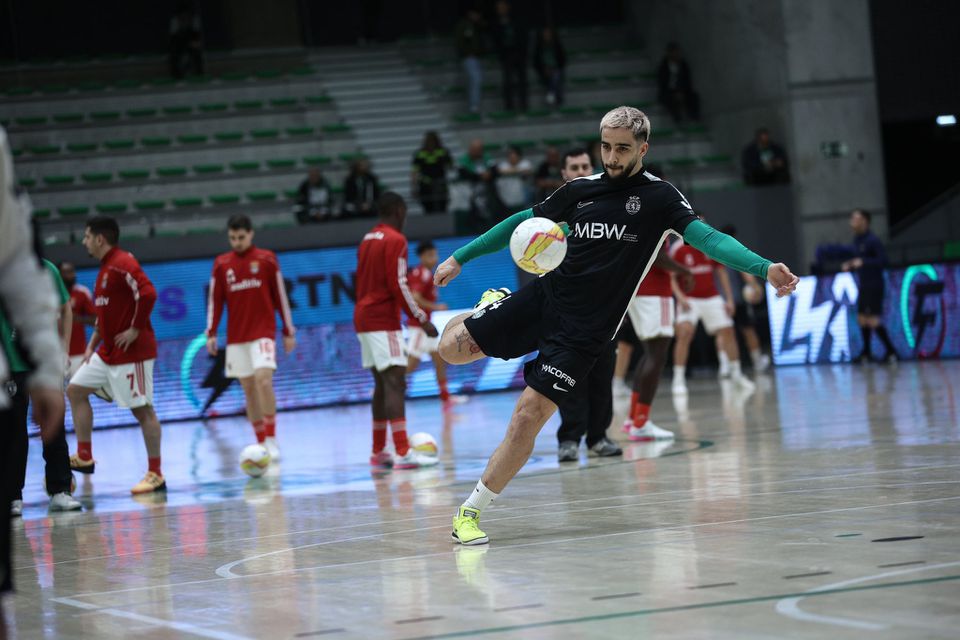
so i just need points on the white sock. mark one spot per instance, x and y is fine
(724, 360)
(679, 373)
(735, 369)
(755, 356)
(480, 497)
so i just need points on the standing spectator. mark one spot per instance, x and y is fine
(764, 161)
(430, 165)
(469, 39)
(869, 261)
(185, 40)
(513, 177)
(314, 199)
(550, 60)
(477, 169)
(550, 175)
(511, 42)
(361, 190)
(675, 86)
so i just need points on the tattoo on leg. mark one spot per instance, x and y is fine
(464, 338)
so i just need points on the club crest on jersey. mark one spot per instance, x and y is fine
(633, 205)
(254, 267)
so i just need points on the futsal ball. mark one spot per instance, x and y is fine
(538, 245)
(424, 443)
(254, 460)
(751, 295)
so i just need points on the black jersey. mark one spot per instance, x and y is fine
(616, 228)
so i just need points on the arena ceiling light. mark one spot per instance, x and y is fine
(947, 120)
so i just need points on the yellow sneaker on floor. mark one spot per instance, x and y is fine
(151, 482)
(465, 529)
(490, 296)
(83, 466)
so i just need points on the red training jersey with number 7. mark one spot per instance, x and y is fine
(251, 286)
(381, 282)
(124, 298)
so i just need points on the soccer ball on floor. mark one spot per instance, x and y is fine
(254, 460)
(424, 443)
(538, 245)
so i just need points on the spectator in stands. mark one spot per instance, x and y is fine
(430, 165)
(549, 176)
(314, 199)
(469, 39)
(869, 260)
(764, 161)
(513, 180)
(478, 170)
(676, 92)
(510, 38)
(185, 40)
(550, 60)
(361, 190)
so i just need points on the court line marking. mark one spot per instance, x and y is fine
(183, 627)
(678, 608)
(524, 508)
(790, 606)
(233, 576)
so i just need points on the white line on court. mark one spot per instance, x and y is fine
(183, 627)
(790, 607)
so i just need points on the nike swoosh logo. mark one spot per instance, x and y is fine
(581, 205)
(560, 388)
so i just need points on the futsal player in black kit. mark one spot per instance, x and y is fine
(618, 220)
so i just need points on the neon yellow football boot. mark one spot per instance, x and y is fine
(465, 529)
(490, 296)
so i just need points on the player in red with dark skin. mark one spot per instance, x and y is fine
(84, 315)
(382, 291)
(248, 280)
(123, 363)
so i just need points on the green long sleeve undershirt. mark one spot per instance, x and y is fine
(723, 248)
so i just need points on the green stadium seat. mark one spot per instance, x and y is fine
(141, 113)
(111, 207)
(538, 113)
(682, 163)
(171, 172)
(280, 224)
(67, 118)
(336, 128)
(588, 139)
(134, 174)
(951, 250)
(27, 183)
(300, 131)
(207, 168)
(54, 88)
(281, 163)
(105, 115)
(663, 133)
(228, 136)
(248, 105)
(17, 152)
(347, 158)
(81, 147)
(501, 116)
(245, 166)
(225, 198)
(694, 129)
(91, 86)
(192, 138)
(291, 194)
(492, 147)
(97, 176)
(620, 77)
(20, 91)
(128, 84)
(455, 90)
(76, 210)
(169, 233)
(236, 76)
(261, 196)
(302, 71)
(315, 161)
(557, 142)
(268, 74)
(161, 81)
(647, 75)
(118, 144)
(147, 205)
(602, 108)
(318, 100)
(199, 80)
(337, 189)
(572, 111)
(261, 134)
(720, 158)
(45, 149)
(582, 81)
(523, 144)
(190, 201)
(177, 110)
(41, 213)
(213, 107)
(31, 121)
(201, 231)
(464, 118)
(283, 102)
(156, 141)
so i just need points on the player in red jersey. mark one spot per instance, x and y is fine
(704, 304)
(420, 281)
(382, 291)
(122, 367)
(249, 281)
(84, 315)
(652, 316)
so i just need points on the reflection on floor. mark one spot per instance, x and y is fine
(826, 504)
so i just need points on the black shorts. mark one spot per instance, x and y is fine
(524, 322)
(870, 301)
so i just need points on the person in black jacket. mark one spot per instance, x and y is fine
(430, 165)
(510, 38)
(764, 161)
(550, 60)
(361, 190)
(314, 199)
(675, 86)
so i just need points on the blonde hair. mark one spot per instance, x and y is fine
(627, 118)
